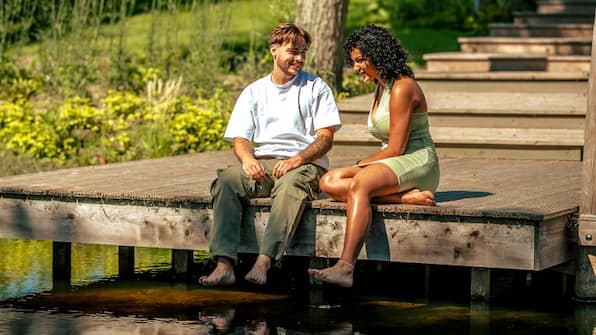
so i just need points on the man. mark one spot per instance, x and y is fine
(290, 116)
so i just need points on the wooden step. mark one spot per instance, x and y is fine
(526, 45)
(486, 143)
(568, 6)
(489, 103)
(507, 110)
(540, 18)
(580, 30)
(456, 118)
(505, 81)
(477, 62)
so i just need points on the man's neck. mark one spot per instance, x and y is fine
(279, 78)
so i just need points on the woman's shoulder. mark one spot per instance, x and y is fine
(404, 84)
(406, 87)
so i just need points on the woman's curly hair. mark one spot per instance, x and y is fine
(383, 49)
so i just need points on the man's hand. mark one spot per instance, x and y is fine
(284, 166)
(254, 169)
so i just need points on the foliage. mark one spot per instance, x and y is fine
(16, 82)
(496, 11)
(198, 126)
(122, 126)
(22, 130)
(352, 85)
(446, 14)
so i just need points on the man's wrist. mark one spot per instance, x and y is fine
(302, 159)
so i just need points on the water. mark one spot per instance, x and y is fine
(98, 302)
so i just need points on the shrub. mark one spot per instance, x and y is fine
(24, 132)
(199, 126)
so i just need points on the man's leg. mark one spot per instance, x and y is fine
(288, 200)
(230, 192)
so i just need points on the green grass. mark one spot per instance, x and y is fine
(420, 41)
(250, 22)
(247, 19)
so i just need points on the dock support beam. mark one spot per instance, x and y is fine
(126, 261)
(181, 261)
(480, 284)
(585, 280)
(61, 264)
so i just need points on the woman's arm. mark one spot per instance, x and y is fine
(405, 99)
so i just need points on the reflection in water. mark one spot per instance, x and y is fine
(98, 302)
(25, 267)
(24, 322)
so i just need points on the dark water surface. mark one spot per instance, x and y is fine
(96, 301)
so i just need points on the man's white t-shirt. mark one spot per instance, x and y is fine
(282, 120)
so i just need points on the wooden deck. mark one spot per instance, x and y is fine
(510, 214)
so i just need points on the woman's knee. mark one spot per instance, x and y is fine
(327, 182)
(359, 189)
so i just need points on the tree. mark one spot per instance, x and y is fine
(325, 21)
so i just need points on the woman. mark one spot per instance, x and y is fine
(406, 169)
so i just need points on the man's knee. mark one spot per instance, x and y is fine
(295, 188)
(230, 175)
(302, 180)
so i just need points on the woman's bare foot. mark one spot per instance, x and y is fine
(258, 273)
(222, 275)
(417, 197)
(342, 274)
(221, 319)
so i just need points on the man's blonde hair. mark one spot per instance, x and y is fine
(287, 32)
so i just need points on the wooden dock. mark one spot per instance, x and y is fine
(510, 142)
(506, 214)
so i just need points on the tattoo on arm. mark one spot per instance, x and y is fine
(321, 145)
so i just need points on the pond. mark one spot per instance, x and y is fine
(385, 301)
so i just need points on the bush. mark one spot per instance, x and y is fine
(24, 132)
(200, 125)
(16, 82)
(123, 126)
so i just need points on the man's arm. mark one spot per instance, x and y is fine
(250, 165)
(320, 146)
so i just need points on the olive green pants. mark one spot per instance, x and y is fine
(231, 192)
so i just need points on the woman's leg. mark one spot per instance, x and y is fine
(376, 180)
(336, 184)
(411, 197)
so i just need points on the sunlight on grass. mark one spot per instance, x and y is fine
(420, 41)
(248, 19)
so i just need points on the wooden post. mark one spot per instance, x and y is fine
(181, 261)
(61, 262)
(426, 282)
(585, 279)
(480, 284)
(126, 261)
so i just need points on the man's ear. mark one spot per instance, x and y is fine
(273, 49)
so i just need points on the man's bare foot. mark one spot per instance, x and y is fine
(258, 273)
(222, 275)
(342, 274)
(417, 197)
